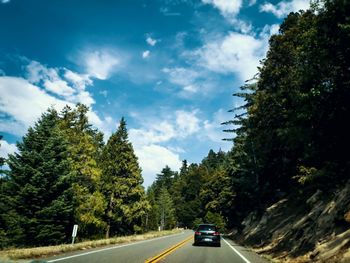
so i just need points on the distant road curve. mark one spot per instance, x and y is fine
(174, 248)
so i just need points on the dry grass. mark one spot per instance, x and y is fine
(38, 252)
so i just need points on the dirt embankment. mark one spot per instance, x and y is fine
(312, 229)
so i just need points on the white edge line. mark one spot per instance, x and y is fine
(237, 252)
(115, 247)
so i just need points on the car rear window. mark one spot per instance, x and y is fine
(207, 227)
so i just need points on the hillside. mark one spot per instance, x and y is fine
(312, 228)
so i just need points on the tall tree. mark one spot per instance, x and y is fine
(165, 178)
(152, 217)
(85, 144)
(37, 190)
(166, 210)
(122, 185)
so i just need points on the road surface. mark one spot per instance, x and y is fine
(170, 249)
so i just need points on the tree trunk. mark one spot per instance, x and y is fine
(110, 210)
(107, 230)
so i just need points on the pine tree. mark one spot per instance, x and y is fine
(85, 144)
(122, 185)
(152, 218)
(164, 179)
(166, 210)
(37, 192)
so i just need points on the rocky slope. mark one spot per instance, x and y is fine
(299, 229)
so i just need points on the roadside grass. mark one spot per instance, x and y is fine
(39, 252)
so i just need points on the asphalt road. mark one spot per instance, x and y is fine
(145, 250)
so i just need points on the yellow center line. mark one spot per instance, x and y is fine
(168, 251)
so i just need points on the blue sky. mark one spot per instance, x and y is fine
(169, 67)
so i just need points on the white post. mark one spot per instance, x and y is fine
(74, 233)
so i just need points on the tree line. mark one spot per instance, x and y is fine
(64, 174)
(292, 139)
(293, 135)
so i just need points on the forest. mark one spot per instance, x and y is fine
(292, 137)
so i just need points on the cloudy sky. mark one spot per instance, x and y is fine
(168, 66)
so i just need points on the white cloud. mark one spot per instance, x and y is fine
(191, 88)
(59, 87)
(235, 53)
(269, 30)
(79, 81)
(25, 102)
(283, 8)
(252, 2)
(150, 41)
(181, 76)
(151, 142)
(214, 129)
(188, 79)
(153, 158)
(146, 54)
(63, 82)
(100, 64)
(179, 126)
(230, 9)
(187, 123)
(12, 126)
(226, 7)
(241, 25)
(154, 142)
(83, 97)
(7, 148)
(161, 132)
(36, 72)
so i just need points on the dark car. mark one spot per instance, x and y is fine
(207, 234)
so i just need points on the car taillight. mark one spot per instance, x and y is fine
(216, 234)
(198, 233)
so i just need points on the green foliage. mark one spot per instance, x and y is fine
(165, 178)
(84, 149)
(306, 175)
(197, 222)
(36, 200)
(215, 218)
(166, 210)
(152, 218)
(292, 133)
(122, 185)
(56, 181)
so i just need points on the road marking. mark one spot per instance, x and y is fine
(168, 251)
(110, 248)
(237, 252)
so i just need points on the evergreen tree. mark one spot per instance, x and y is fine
(4, 208)
(85, 144)
(166, 210)
(36, 192)
(152, 218)
(164, 179)
(189, 206)
(122, 185)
